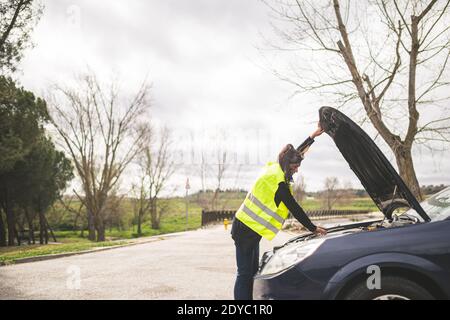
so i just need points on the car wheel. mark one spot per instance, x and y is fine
(392, 288)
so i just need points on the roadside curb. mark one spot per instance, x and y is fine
(74, 253)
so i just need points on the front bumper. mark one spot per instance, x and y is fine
(291, 284)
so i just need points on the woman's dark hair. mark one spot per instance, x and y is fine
(289, 155)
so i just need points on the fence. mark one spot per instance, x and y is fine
(211, 217)
(333, 213)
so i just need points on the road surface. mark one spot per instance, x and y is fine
(190, 265)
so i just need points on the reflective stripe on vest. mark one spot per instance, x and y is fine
(255, 217)
(259, 211)
(261, 205)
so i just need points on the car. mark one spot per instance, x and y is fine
(404, 256)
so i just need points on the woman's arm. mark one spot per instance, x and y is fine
(310, 140)
(284, 195)
(305, 145)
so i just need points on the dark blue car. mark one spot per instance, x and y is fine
(404, 256)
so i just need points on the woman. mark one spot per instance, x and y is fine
(263, 212)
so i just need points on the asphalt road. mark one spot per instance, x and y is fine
(190, 265)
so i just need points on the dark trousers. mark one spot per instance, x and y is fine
(247, 260)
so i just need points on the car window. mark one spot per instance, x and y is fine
(437, 206)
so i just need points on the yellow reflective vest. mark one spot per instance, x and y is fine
(259, 211)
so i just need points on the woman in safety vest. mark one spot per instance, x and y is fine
(263, 212)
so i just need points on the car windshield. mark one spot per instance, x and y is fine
(437, 206)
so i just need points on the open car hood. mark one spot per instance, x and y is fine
(379, 178)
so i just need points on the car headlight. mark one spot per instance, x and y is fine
(286, 257)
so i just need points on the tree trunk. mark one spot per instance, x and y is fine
(405, 165)
(33, 237)
(91, 225)
(42, 228)
(75, 223)
(10, 219)
(139, 222)
(100, 228)
(19, 243)
(154, 214)
(30, 227)
(101, 234)
(214, 199)
(50, 229)
(2, 232)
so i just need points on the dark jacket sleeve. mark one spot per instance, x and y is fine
(283, 194)
(305, 145)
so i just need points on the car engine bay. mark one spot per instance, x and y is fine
(397, 220)
(400, 220)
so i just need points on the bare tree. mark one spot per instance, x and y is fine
(222, 166)
(203, 198)
(157, 166)
(203, 169)
(331, 192)
(346, 194)
(202, 165)
(139, 200)
(299, 188)
(348, 58)
(102, 134)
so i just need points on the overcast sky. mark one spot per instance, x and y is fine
(210, 82)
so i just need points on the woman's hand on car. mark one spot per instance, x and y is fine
(320, 231)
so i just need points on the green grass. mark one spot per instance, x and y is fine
(353, 204)
(170, 223)
(71, 241)
(11, 254)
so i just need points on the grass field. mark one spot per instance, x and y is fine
(354, 204)
(11, 254)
